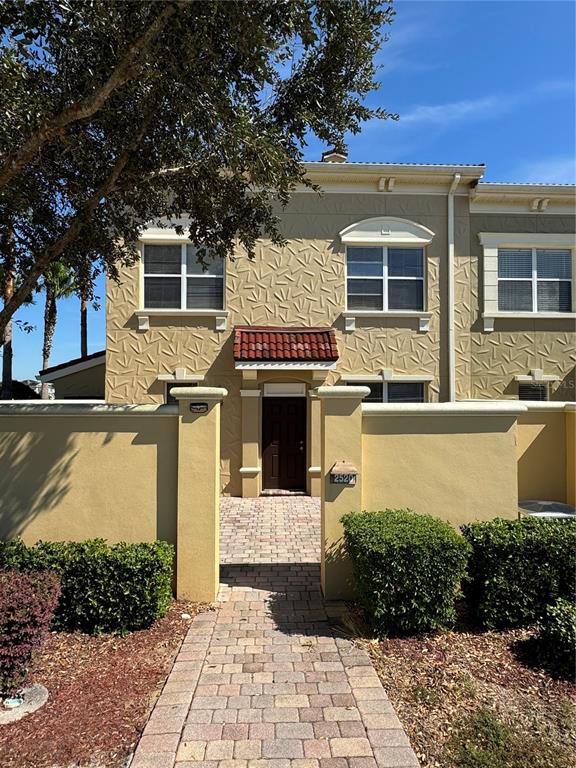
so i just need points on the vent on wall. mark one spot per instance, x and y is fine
(532, 391)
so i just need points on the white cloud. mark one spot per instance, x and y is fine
(552, 170)
(486, 107)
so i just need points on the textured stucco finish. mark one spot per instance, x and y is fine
(303, 283)
(517, 346)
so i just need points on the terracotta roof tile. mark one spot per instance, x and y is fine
(276, 343)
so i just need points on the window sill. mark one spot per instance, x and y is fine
(144, 315)
(423, 318)
(489, 317)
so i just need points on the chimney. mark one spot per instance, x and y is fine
(335, 155)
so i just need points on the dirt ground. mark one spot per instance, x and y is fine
(100, 693)
(479, 700)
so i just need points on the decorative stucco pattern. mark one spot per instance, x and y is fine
(518, 346)
(303, 283)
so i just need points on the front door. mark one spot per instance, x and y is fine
(284, 443)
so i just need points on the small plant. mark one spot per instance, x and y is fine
(27, 604)
(557, 636)
(518, 567)
(407, 567)
(104, 588)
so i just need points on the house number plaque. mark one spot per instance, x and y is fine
(199, 407)
(343, 473)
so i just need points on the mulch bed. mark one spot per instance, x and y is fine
(101, 691)
(435, 682)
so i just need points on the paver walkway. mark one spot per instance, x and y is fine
(274, 529)
(267, 680)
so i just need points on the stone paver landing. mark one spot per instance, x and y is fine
(265, 681)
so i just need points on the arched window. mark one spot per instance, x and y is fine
(385, 268)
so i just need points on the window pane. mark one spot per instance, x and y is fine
(533, 392)
(376, 390)
(205, 293)
(162, 259)
(405, 262)
(514, 263)
(554, 296)
(215, 265)
(406, 392)
(365, 262)
(554, 264)
(405, 294)
(162, 292)
(515, 295)
(365, 294)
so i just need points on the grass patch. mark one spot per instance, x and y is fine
(482, 740)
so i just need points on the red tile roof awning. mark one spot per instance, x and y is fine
(276, 344)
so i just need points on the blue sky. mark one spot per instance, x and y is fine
(474, 81)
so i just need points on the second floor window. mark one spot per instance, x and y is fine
(385, 279)
(173, 279)
(534, 280)
(392, 391)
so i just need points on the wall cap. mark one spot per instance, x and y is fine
(82, 408)
(198, 393)
(343, 392)
(477, 408)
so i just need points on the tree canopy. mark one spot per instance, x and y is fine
(119, 114)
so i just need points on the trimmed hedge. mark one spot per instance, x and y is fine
(518, 567)
(408, 568)
(27, 604)
(104, 588)
(558, 636)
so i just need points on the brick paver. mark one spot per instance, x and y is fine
(274, 529)
(266, 680)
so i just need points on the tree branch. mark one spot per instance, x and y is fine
(54, 251)
(56, 126)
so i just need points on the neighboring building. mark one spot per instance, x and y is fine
(417, 280)
(79, 379)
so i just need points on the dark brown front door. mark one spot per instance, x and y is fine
(284, 443)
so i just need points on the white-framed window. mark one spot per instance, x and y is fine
(528, 391)
(534, 280)
(392, 391)
(384, 278)
(173, 278)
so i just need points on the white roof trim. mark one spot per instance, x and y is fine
(76, 368)
(265, 365)
(502, 239)
(382, 230)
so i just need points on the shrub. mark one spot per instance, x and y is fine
(407, 567)
(518, 567)
(27, 604)
(558, 636)
(104, 588)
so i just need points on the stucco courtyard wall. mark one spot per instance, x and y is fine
(456, 461)
(122, 473)
(546, 445)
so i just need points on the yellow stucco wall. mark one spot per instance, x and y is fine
(303, 284)
(76, 476)
(458, 467)
(88, 384)
(542, 458)
(571, 457)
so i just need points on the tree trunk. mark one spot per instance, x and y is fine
(7, 351)
(49, 328)
(83, 324)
